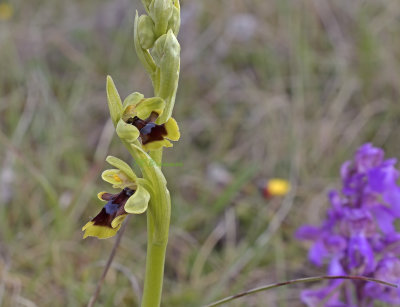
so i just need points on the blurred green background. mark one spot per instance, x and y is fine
(268, 89)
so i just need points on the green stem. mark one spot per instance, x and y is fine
(154, 276)
(158, 217)
(155, 258)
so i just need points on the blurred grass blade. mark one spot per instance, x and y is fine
(296, 281)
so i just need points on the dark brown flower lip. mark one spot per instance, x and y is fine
(113, 208)
(149, 130)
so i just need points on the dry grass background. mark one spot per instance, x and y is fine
(268, 89)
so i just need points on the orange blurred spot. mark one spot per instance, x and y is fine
(276, 187)
(6, 11)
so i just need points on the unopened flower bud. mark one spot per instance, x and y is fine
(161, 11)
(143, 54)
(175, 20)
(166, 53)
(146, 32)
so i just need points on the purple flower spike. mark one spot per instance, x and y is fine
(368, 157)
(358, 236)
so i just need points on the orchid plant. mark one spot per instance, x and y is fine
(358, 236)
(359, 226)
(145, 127)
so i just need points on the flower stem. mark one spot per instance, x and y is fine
(156, 247)
(155, 259)
(154, 275)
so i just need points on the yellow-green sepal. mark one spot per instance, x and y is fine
(114, 101)
(138, 202)
(148, 105)
(123, 166)
(127, 132)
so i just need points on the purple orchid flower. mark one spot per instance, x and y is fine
(358, 236)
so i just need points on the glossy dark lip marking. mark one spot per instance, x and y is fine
(149, 130)
(113, 208)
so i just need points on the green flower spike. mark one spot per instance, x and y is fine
(139, 120)
(145, 126)
(132, 199)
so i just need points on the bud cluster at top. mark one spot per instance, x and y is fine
(162, 16)
(358, 236)
(158, 49)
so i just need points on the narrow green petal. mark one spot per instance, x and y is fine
(138, 202)
(114, 101)
(146, 106)
(127, 132)
(122, 165)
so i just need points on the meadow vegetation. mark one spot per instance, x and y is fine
(280, 88)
